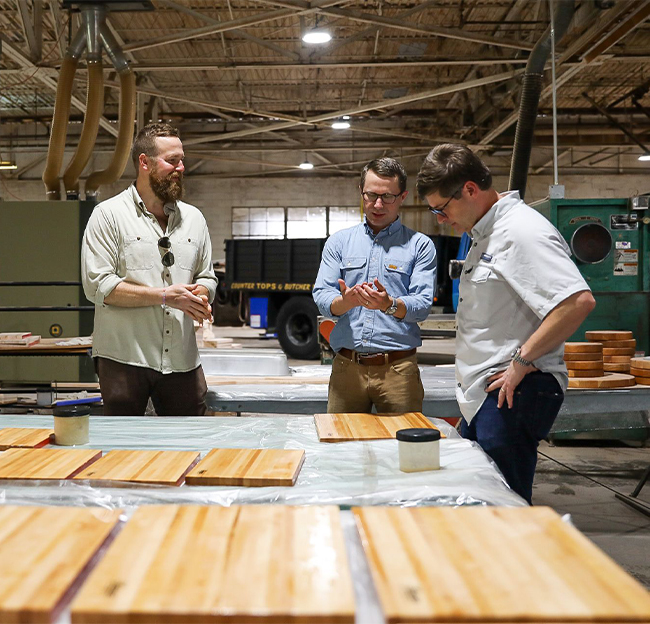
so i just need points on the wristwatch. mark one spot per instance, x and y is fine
(392, 308)
(516, 357)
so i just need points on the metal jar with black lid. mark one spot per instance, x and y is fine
(419, 449)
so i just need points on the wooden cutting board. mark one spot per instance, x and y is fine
(350, 427)
(154, 467)
(640, 372)
(42, 552)
(493, 564)
(616, 351)
(583, 347)
(24, 438)
(583, 357)
(599, 372)
(191, 563)
(18, 463)
(609, 335)
(247, 467)
(608, 380)
(641, 362)
(582, 365)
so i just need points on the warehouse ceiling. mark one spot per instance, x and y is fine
(251, 99)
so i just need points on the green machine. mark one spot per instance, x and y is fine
(610, 243)
(40, 286)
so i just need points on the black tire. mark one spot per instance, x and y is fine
(297, 328)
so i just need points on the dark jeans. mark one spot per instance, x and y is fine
(511, 436)
(126, 390)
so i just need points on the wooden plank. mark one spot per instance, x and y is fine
(583, 347)
(200, 564)
(20, 437)
(247, 467)
(609, 335)
(493, 564)
(153, 467)
(608, 380)
(45, 463)
(42, 552)
(349, 427)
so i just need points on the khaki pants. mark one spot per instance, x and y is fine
(391, 388)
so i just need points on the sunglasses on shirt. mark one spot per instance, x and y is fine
(168, 257)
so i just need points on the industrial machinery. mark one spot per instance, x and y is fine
(609, 240)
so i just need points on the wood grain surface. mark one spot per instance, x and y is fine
(45, 463)
(24, 438)
(42, 552)
(597, 335)
(616, 367)
(582, 365)
(350, 427)
(617, 351)
(153, 467)
(597, 372)
(493, 564)
(583, 347)
(583, 357)
(608, 380)
(617, 359)
(200, 564)
(247, 467)
(619, 344)
(643, 362)
(46, 346)
(640, 372)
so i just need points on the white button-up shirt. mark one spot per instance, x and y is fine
(121, 244)
(517, 270)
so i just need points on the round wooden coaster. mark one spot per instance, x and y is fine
(583, 347)
(608, 380)
(580, 365)
(609, 335)
(583, 357)
(619, 344)
(640, 372)
(641, 362)
(643, 381)
(629, 352)
(616, 368)
(617, 359)
(587, 373)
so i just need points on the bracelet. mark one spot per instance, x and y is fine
(164, 297)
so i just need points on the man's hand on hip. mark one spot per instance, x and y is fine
(507, 381)
(182, 297)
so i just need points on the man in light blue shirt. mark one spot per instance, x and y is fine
(378, 279)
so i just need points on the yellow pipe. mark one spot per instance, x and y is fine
(94, 109)
(124, 141)
(59, 128)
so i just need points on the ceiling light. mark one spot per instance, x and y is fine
(317, 35)
(341, 125)
(346, 117)
(6, 164)
(645, 156)
(306, 165)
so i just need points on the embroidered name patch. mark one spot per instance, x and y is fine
(392, 266)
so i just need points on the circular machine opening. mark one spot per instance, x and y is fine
(591, 243)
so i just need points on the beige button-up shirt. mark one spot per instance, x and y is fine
(517, 270)
(121, 244)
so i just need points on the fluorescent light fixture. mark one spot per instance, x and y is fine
(306, 165)
(316, 36)
(341, 125)
(645, 156)
(5, 164)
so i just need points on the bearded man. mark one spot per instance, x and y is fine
(146, 263)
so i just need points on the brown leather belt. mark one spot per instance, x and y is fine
(376, 359)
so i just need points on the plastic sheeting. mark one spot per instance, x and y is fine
(344, 474)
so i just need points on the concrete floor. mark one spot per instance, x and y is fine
(576, 478)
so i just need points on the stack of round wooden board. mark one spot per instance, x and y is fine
(618, 348)
(584, 359)
(640, 368)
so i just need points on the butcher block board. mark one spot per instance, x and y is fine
(351, 427)
(24, 438)
(42, 552)
(640, 372)
(247, 467)
(152, 467)
(199, 564)
(583, 347)
(622, 334)
(493, 564)
(583, 357)
(608, 380)
(599, 372)
(41, 463)
(643, 362)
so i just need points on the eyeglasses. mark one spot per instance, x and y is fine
(386, 198)
(168, 257)
(441, 211)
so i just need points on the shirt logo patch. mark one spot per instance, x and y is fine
(486, 257)
(392, 266)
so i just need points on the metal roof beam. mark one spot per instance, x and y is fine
(32, 28)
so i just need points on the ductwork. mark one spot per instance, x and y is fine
(530, 94)
(93, 36)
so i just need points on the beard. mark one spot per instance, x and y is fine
(168, 188)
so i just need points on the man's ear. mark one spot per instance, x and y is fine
(404, 194)
(144, 164)
(472, 188)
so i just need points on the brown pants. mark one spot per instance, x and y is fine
(392, 388)
(126, 390)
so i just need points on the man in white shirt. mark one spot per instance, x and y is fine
(146, 264)
(520, 297)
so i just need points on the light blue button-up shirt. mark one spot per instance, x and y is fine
(403, 260)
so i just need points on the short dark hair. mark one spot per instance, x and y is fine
(386, 168)
(447, 167)
(145, 141)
